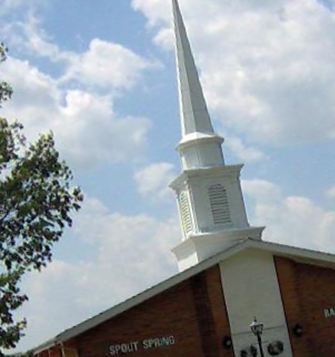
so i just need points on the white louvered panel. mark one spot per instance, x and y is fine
(186, 218)
(219, 204)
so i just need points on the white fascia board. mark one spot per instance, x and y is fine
(178, 182)
(241, 233)
(296, 253)
(227, 170)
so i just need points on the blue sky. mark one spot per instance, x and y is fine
(101, 75)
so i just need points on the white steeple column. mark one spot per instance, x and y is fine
(209, 196)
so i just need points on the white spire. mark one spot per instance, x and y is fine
(195, 117)
(200, 145)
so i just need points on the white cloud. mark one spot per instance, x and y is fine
(261, 190)
(79, 105)
(107, 65)
(290, 220)
(104, 64)
(243, 152)
(331, 192)
(267, 67)
(86, 127)
(34, 39)
(157, 11)
(165, 39)
(129, 254)
(152, 181)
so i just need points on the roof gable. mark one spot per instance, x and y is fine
(298, 254)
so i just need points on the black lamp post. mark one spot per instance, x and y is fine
(257, 330)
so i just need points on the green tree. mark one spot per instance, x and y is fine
(36, 203)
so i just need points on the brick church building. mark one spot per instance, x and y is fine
(228, 275)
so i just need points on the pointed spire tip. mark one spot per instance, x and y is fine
(194, 112)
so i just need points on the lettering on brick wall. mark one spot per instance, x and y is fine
(330, 312)
(135, 346)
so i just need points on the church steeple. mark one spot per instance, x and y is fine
(209, 196)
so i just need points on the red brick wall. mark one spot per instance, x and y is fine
(193, 312)
(306, 291)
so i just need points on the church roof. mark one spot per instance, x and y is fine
(306, 256)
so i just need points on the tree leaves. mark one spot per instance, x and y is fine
(5, 89)
(36, 204)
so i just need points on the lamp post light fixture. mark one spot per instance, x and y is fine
(257, 329)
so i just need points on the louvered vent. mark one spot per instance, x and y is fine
(219, 204)
(185, 213)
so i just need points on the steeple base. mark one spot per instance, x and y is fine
(199, 247)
